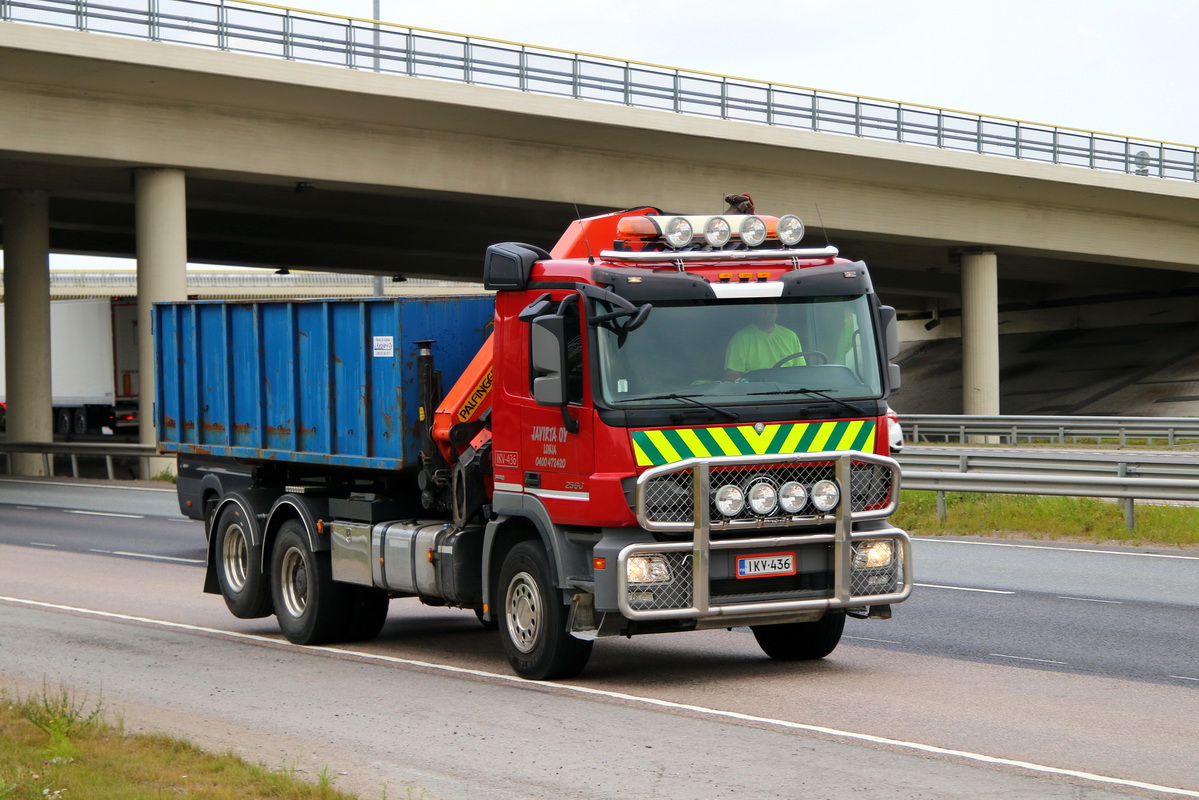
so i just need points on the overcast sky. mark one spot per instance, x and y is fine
(1116, 67)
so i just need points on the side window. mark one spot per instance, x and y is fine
(574, 355)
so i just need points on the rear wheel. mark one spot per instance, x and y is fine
(62, 422)
(238, 564)
(310, 606)
(79, 421)
(533, 618)
(801, 641)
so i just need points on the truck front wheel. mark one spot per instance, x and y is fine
(238, 565)
(310, 606)
(533, 618)
(801, 641)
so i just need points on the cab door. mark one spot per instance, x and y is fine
(557, 463)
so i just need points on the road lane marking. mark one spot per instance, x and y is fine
(149, 557)
(1091, 600)
(42, 544)
(1183, 678)
(1024, 658)
(962, 588)
(647, 701)
(26, 508)
(1057, 549)
(10, 481)
(868, 639)
(152, 557)
(104, 514)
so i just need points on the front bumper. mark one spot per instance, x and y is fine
(701, 584)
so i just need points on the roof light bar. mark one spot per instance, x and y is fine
(713, 231)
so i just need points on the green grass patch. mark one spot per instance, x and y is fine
(56, 745)
(1033, 517)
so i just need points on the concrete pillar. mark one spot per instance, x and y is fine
(980, 333)
(161, 219)
(27, 323)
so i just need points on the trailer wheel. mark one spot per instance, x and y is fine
(533, 618)
(79, 421)
(62, 422)
(368, 614)
(801, 641)
(310, 607)
(238, 565)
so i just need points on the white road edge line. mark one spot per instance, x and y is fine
(1091, 600)
(42, 544)
(103, 514)
(1059, 549)
(961, 588)
(1025, 658)
(151, 557)
(1183, 678)
(868, 639)
(648, 701)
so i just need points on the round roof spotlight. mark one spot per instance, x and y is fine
(763, 498)
(717, 231)
(793, 497)
(753, 231)
(825, 495)
(678, 232)
(790, 230)
(730, 500)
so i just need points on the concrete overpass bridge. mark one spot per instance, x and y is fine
(239, 133)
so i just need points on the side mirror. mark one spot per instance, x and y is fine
(549, 357)
(508, 265)
(886, 316)
(893, 376)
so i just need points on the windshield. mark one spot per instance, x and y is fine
(744, 351)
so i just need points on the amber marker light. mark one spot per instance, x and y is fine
(599, 563)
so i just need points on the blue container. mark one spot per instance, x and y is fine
(314, 381)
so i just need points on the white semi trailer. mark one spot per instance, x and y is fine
(93, 365)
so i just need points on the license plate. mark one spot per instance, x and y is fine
(766, 565)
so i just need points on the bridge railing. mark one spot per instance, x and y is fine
(245, 26)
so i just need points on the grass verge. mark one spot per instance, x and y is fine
(1083, 519)
(59, 746)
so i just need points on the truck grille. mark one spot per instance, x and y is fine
(669, 497)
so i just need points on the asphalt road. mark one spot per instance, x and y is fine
(1010, 667)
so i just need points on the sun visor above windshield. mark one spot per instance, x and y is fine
(828, 281)
(643, 286)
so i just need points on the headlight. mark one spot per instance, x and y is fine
(790, 230)
(873, 555)
(717, 231)
(678, 232)
(793, 497)
(730, 500)
(647, 569)
(753, 231)
(825, 495)
(763, 499)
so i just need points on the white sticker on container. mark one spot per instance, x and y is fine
(384, 346)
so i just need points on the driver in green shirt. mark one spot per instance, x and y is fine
(761, 344)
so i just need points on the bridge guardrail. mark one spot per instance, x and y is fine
(250, 27)
(76, 450)
(1011, 429)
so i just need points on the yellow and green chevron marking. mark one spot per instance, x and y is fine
(656, 447)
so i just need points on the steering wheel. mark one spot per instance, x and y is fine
(823, 357)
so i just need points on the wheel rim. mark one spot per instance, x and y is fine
(522, 612)
(293, 580)
(235, 558)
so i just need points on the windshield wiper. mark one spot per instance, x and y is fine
(690, 398)
(814, 393)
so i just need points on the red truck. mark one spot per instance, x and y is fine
(666, 423)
